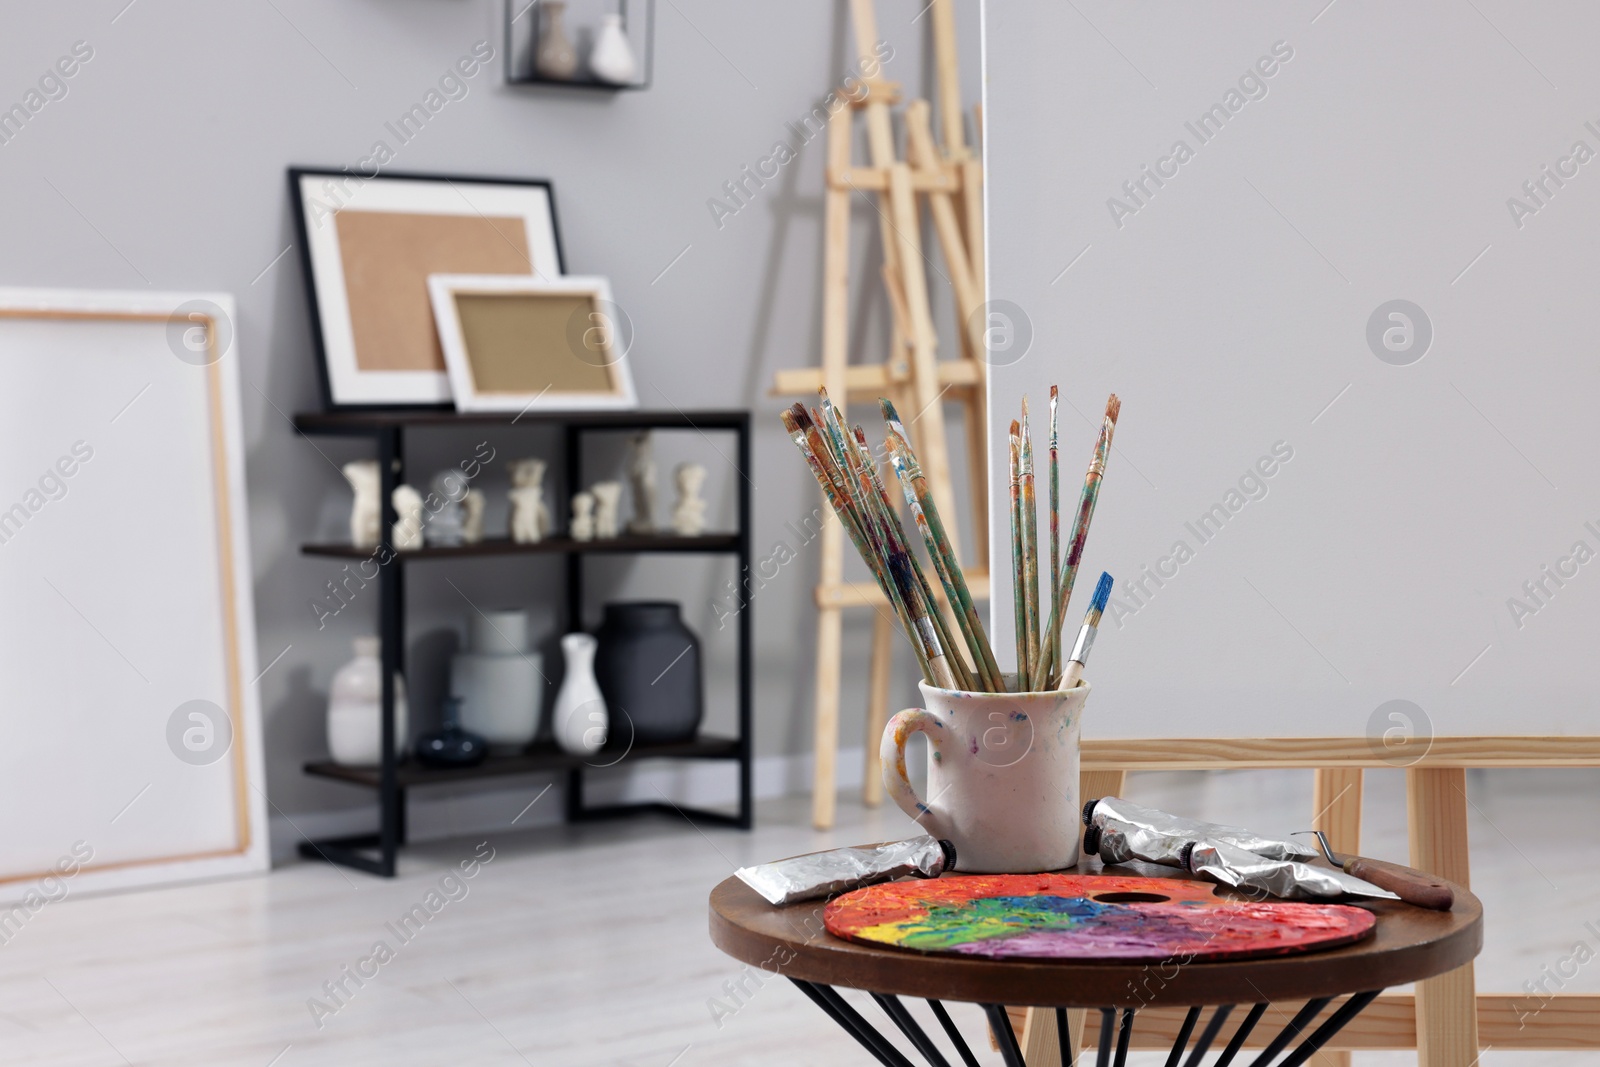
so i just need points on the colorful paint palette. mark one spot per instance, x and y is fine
(1085, 917)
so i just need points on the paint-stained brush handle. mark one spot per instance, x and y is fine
(1409, 885)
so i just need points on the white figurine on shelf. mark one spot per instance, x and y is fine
(689, 516)
(407, 534)
(472, 506)
(446, 518)
(530, 519)
(642, 480)
(607, 503)
(366, 518)
(583, 517)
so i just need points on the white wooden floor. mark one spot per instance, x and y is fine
(579, 947)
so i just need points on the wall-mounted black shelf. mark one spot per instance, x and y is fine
(376, 852)
(523, 25)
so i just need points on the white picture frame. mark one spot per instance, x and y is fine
(410, 225)
(554, 344)
(125, 571)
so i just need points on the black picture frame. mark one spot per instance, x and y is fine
(331, 400)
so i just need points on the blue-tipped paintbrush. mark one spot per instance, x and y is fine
(1091, 625)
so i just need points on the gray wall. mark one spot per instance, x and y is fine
(163, 166)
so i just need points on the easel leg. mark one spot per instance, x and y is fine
(1447, 1007)
(1336, 811)
(877, 706)
(1041, 1046)
(824, 782)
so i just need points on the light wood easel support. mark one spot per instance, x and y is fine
(1447, 1022)
(911, 375)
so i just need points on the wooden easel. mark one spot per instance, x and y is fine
(1447, 1021)
(951, 183)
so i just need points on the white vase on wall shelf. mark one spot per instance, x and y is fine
(611, 59)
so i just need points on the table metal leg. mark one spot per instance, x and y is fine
(1064, 1037)
(1112, 1035)
(1108, 1021)
(1300, 1021)
(896, 1011)
(1336, 1022)
(1208, 1035)
(828, 999)
(1181, 1042)
(1004, 1036)
(953, 1034)
(1240, 1034)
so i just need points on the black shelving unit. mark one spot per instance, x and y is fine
(376, 852)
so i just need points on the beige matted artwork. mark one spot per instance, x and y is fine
(369, 248)
(530, 344)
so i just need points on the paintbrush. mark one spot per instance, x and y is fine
(884, 531)
(1030, 544)
(1055, 517)
(901, 543)
(1018, 605)
(926, 513)
(836, 487)
(1076, 540)
(1091, 626)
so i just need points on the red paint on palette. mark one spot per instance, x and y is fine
(1086, 917)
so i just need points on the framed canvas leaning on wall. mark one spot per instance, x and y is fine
(127, 640)
(368, 246)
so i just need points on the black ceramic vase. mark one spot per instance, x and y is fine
(648, 667)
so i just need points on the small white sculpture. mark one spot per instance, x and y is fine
(583, 517)
(407, 534)
(530, 518)
(642, 480)
(472, 506)
(689, 516)
(366, 518)
(446, 517)
(607, 504)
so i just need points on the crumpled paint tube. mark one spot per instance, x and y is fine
(1120, 831)
(1281, 878)
(823, 874)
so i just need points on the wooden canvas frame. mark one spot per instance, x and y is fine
(321, 196)
(594, 342)
(175, 357)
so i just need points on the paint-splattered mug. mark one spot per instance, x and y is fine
(1002, 775)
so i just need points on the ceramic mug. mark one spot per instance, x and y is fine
(1002, 776)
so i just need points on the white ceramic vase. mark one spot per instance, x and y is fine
(578, 719)
(611, 59)
(355, 709)
(498, 681)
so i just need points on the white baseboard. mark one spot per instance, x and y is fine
(537, 800)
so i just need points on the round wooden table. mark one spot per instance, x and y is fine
(1407, 944)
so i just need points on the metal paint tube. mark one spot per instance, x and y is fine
(1120, 831)
(822, 874)
(1281, 878)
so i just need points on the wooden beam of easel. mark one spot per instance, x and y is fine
(911, 375)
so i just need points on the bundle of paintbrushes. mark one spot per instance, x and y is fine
(844, 466)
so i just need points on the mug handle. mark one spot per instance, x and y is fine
(892, 755)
